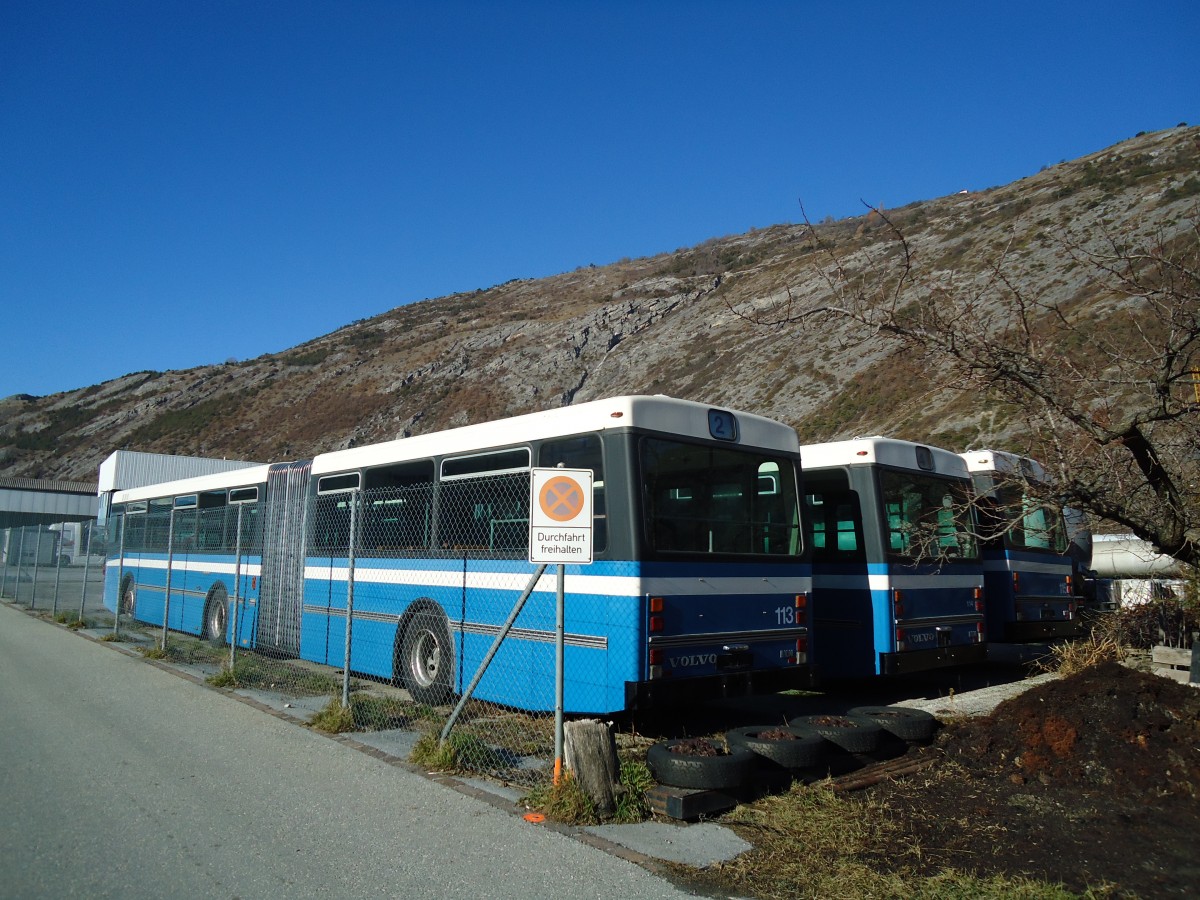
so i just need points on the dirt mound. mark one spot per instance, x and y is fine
(1110, 728)
(1089, 780)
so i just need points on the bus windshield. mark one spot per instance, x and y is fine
(928, 518)
(705, 499)
(1030, 525)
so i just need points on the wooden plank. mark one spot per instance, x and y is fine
(1171, 656)
(688, 804)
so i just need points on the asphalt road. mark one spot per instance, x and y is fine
(118, 779)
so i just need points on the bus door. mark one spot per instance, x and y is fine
(842, 602)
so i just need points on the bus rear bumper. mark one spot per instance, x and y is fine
(1040, 630)
(666, 692)
(939, 657)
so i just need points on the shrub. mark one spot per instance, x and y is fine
(334, 718)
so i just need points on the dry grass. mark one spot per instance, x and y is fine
(813, 843)
(1075, 656)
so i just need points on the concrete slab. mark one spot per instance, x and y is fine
(699, 845)
(395, 742)
(978, 702)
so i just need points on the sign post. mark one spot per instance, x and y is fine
(560, 531)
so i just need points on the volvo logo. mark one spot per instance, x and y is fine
(696, 659)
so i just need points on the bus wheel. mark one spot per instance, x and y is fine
(904, 722)
(128, 602)
(215, 612)
(427, 658)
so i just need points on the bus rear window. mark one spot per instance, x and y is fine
(704, 499)
(928, 518)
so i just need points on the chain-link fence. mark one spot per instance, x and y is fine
(427, 594)
(56, 570)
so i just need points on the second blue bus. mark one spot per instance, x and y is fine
(897, 574)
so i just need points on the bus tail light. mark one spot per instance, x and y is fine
(801, 651)
(656, 618)
(900, 645)
(898, 605)
(1016, 582)
(801, 608)
(657, 655)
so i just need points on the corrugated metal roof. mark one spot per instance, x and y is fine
(49, 485)
(134, 468)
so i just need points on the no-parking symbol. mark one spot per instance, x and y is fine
(560, 516)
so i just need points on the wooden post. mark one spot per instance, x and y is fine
(591, 753)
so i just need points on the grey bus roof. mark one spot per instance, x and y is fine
(659, 413)
(879, 451)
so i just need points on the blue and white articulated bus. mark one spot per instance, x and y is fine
(699, 583)
(1028, 570)
(897, 576)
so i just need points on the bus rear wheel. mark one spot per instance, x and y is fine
(426, 658)
(215, 612)
(128, 602)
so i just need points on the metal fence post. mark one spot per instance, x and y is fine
(120, 577)
(170, 562)
(57, 574)
(349, 598)
(37, 561)
(87, 560)
(20, 562)
(501, 636)
(237, 588)
(4, 548)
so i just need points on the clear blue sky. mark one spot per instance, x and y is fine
(183, 183)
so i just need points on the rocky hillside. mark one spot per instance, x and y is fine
(674, 324)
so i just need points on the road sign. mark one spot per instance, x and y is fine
(560, 516)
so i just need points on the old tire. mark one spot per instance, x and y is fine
(854, 734)
(216, 616)
(904, 722)
(712, 773)
(426, 663)
(803, 750)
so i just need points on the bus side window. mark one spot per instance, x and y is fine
(582, 452)
(848, 528)
(896, 535)
(836, 527)
(484, 502)
(398, 507)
